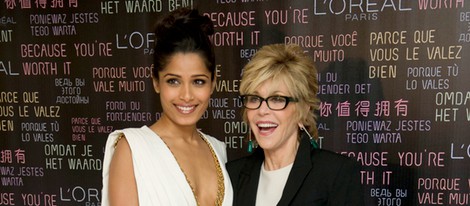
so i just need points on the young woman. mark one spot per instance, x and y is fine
(171, 162)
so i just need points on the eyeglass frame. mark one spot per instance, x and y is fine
(287, 98)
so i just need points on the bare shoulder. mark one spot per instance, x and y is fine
(122, 153)
(122, 185)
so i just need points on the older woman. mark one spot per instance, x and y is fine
(278, 90)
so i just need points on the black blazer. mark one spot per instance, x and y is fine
(317, 177)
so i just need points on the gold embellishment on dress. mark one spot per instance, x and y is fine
(121, 135)
(220, 176)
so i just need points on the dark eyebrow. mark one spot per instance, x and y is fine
(173, 75)
(200, 75)
(194, 76)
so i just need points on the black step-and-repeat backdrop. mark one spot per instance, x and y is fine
(394, 84)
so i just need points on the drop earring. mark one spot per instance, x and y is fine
(250, 143)
(312, 140)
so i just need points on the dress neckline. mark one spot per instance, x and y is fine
(220, 176)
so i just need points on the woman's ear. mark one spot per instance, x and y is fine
(214, 82)
(308, 108)
(305, 109)
(156, 85)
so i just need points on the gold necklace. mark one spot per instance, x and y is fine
(220, 176)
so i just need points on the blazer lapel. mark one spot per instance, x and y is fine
(249, 178)
(300, 169)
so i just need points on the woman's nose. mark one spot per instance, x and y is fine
(186, 93)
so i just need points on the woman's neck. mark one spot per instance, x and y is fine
(167, 129)
(280, 158)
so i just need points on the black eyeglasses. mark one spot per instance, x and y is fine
(273, 102)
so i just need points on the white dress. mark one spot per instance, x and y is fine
(159, 179)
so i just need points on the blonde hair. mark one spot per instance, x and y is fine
(288, 64)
